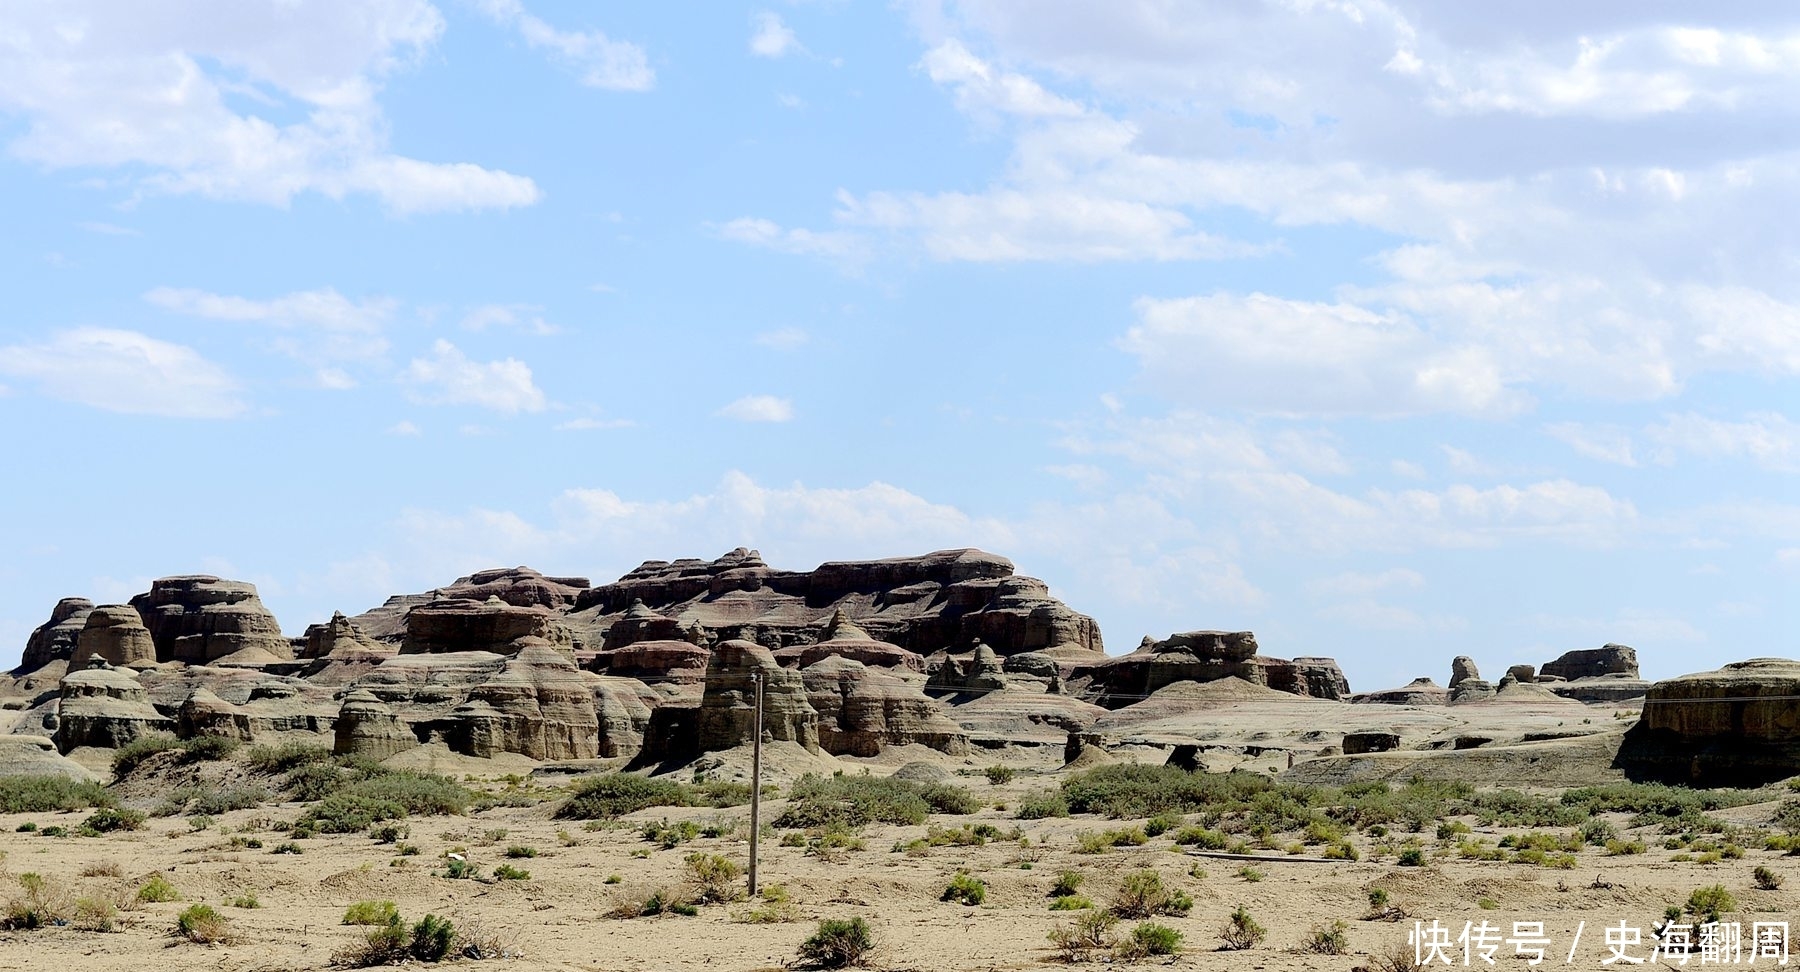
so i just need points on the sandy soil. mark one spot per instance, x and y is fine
(557, 917)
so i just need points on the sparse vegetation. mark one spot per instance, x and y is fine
(372, 913)
(1000, 775)
(714, 877)
(202, 925)
(157, 890)
(1328, 939)
(838, 943)
(1241, 931)
(609, 796)
(49, 794)
(109, 819)
(1143, 895)
(506, 872)
(857, 801)
(41, 902)
(1766, 879)
(966, 889)
(1092, 932)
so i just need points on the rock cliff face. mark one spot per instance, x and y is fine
(864, 709)
(56, 638)
(1205, 656)
(107, 707)
(1738, 726)
(1462, 667)
(460, 624)
(200, 619)
(1593, 662)
(1420, 691)
(727, 709)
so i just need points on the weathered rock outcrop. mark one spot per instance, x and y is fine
(367, 726)
(539, 705)
(339, 636)
(518, 586)
(1205, 656)
(922, 604)
(107, 707)
(727, 709)
(1738, 726)
(1610, 659)
(115, 634)
(863, 709)
(201, 619)
(1602, 688)
(1462, 667)
(961, 678)
(1471, 690)
(56, 638)
(1370, 742)
(1520, 673)
(1419, 691)
(674, 662)
(274, 707)
(454, 625)
(842, 638)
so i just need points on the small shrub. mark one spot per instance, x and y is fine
(1161, 824)
(372, 913)
(1142, 895)
(246, 901)
(208, 748)
(1067, 883)
(1378, 899)
(715, 877)
(1150, 939)
(288, 847)
(1411, 857)
(110, 869)
(43, 903)
(432, 938)
(615, 794)
(1092, 932)
(965, 888)
(108, 819)
(1000, 775)
(506, 872)
(1071, 902)
(1042, 804)
(383, 945)
(202, 925)
(157, 890)
(1598, 833)
(1241, 931)
(1708, 903)
(283, 757)
(94, 915)
(837, 943)
(1331, 939)
(1202, 838)
(1766, 879)
(519, 850)
(389, 833)
(1251, 874)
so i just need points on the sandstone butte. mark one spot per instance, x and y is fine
(952, 652)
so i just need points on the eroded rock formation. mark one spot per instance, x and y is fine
(56, 638)
(115, 634)
(864, 709)
(107, 707)
(1462, 667)
(1205, 656)
(450, 625)
(727, 711)
(201, 619)
(1738, 726)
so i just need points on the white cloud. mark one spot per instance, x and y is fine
(109, 229)
(150, 90)
(758, 408)
(598, 60)
(1768, 439)
(128, 372)
(448, 377)
(1603, 442)
(979, 86)
(1300, 357)
(524, 317)
(315, 326)
(844, 247)
(591, 424)
(1406, 469)
(771, 38)
(404, 427)
(784, 338)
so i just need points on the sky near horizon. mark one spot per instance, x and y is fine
(1389, 331)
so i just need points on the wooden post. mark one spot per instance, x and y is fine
(756, 679)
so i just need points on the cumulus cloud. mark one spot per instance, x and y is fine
(148, 90)
(449, 377)
(598, 60)
(759, 408)
(847, 248)
(523, 317)
(771, 38)
(128, 372)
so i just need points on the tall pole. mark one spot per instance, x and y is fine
(756, 679)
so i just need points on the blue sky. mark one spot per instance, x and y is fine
(1389, 331)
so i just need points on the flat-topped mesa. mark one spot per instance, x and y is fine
(55, 639)
(202, 619)
(1610, 659)
(1420, 691)
(457, 624)
(1204, 656)
(1738, 726)
(935, 602)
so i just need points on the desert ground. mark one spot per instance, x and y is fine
(582, 874)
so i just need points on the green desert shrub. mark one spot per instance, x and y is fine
(349, 813)
(131, 755)
(1766, 879)
(1332, 938)
(1143, 895)
(1041, 804)
(615, 794)
(208, 748)
(1709, 903)
(202, 925)
(30, 793)
(1091, 933)
(40, 903)
(282, 757)
(838, 943)
(1067, 883)
(157, 890)
(999, 775)
(857, 801)
(965, 888)
(1149, 939)
(431, 938)
(1070, 902)
(1242, 931)
(506, 872)
(109, 819)
(715, 877)
(372, 913)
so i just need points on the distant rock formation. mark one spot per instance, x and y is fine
(727, 709)
(1737, 726)
(115, 634)
(1462, 667)
(56, 638)
(863, 709)
(1369, 742)
(201, 619)
(107, 707)
(1610, 659)
(1471, 690)
(451, 625)
(1419, 691)
(1204, 656)
(366, 726)
(338, 636)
